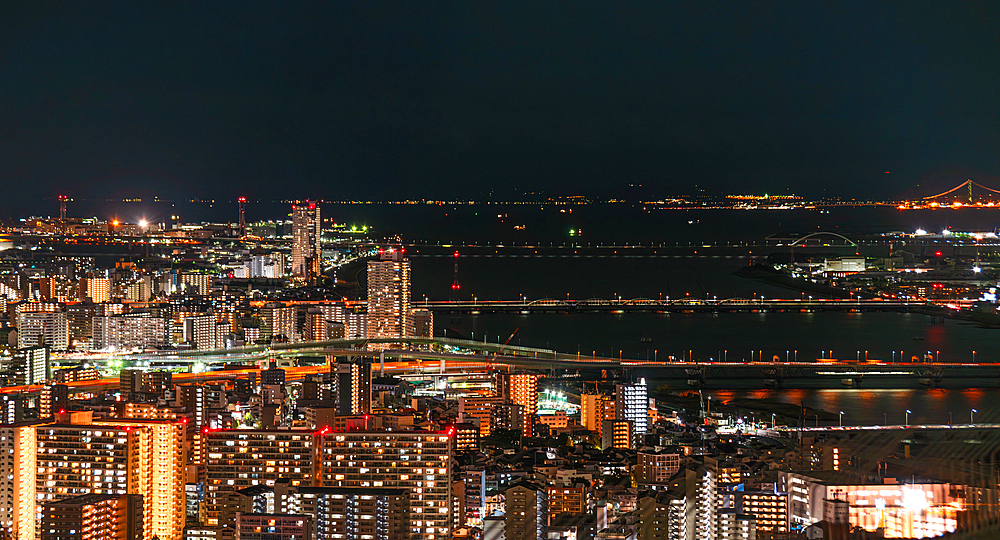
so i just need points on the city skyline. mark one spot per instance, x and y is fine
(524, 271)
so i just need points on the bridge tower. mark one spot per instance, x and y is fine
(455, 286)
(62, 211)
(243, 219)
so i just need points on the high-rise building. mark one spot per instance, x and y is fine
(307, 254)
(527, 512)
(199, 331)
(345, 513)
(42, 328)
(196, 284)
(421, 323)
(632, 404)
(591, 412)
(239, 458)
(31, 365)
(418, 462)
(97, 289)
(78, 456)
(18, 451)
(389, 295)
(54, 397)
(94, 516)
(477, 409)
(127, 332)
(617, 434)
(521, 389)
(770, 510)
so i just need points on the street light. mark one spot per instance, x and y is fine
(906, 422)
(841, 418)
(972, 412)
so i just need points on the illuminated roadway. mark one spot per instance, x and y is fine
(460, 357)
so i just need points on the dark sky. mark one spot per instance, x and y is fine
(339, 99)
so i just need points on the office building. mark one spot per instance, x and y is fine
(43, 329)
(94, 516)
(418, 462)
(389, 295)
(527, 515)
(307, 230)
(940, 504)
(632, 404)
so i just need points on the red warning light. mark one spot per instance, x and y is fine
(455, 286)
(456, 254)
(62, 411)
(242, 199)
(938, 254)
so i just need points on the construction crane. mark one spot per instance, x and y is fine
(502, 347)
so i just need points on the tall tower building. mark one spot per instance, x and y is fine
(307, 255)
(140, 457)
(389, 295)
(521, 389)
(18, 450)
(632, 404)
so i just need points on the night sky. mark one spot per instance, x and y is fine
(385, 100)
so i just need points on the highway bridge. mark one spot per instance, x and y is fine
(681, 305)
(442, 355)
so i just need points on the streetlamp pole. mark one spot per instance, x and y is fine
(906, 420)
(841, 418)
(971, 418)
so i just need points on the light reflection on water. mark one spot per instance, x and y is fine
(873, 407)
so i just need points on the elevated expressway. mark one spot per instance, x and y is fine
(442, 355)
